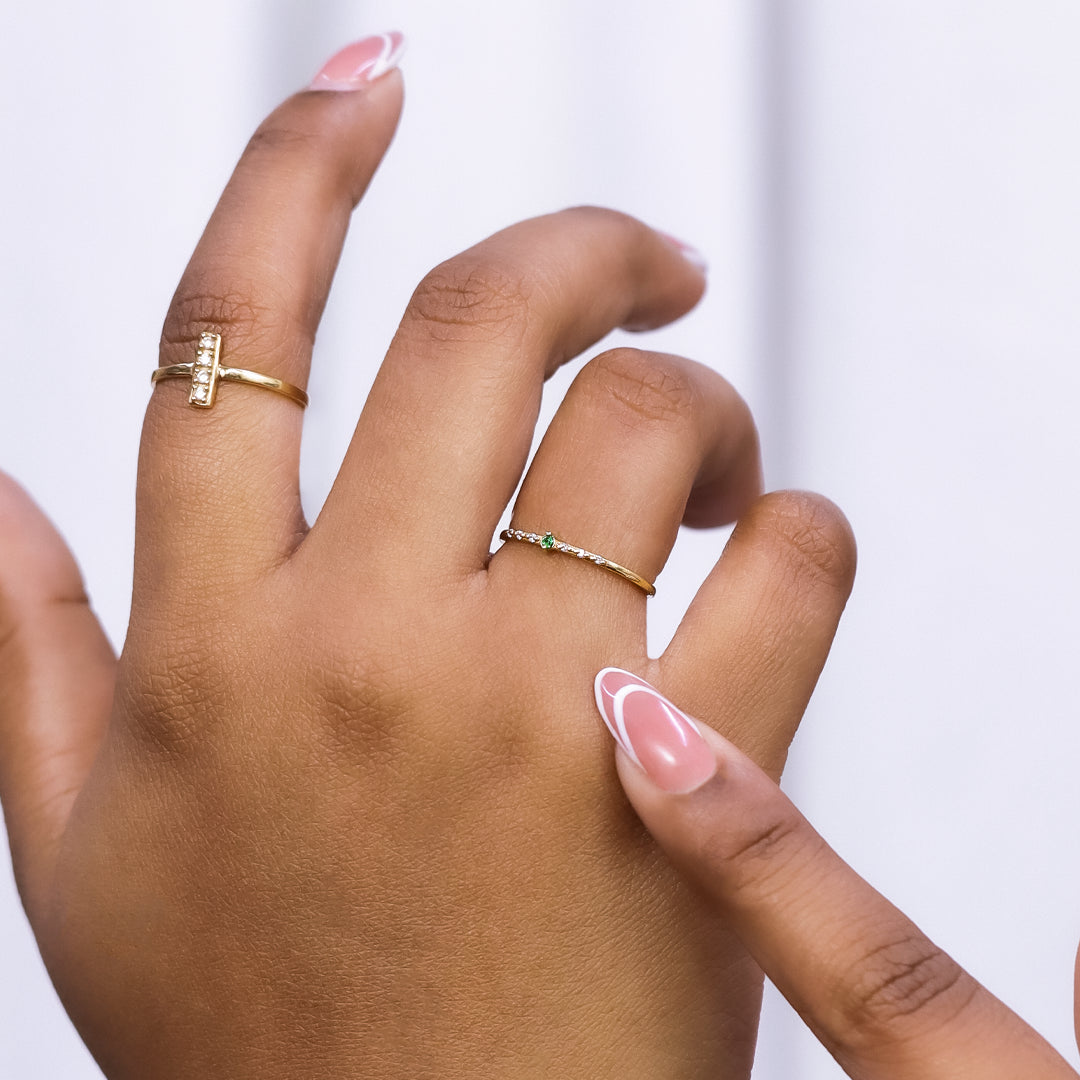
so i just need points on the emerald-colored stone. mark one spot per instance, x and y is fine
(547, 541)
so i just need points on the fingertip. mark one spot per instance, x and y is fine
(675, 269)
(665, 744)
(689, 274)
(34, 559)
(361, 63)
(814, 529)
(688, 252)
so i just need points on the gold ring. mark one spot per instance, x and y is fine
(549, 542)
(207, 371)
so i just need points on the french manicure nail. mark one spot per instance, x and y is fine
(360, 63)
(658, 737)
(690, 254)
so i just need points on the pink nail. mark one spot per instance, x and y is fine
(360, 63)
(690, 254)
(664, 741)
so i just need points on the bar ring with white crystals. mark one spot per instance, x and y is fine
(549, 542)
(207, 371)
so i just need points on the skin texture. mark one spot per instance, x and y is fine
(343, 806)
(886, 1001)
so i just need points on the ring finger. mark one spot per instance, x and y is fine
(642, 442)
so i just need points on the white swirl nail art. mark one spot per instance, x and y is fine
(361, 63)
(388, 59)
(615, 716)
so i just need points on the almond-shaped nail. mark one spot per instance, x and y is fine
(660, 738)
(690, 254)
(360, 63)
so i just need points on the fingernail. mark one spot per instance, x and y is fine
(660, 738)
(360, 63)
(690, 254)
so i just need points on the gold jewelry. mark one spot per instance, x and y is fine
(551, 543)
(207, 371)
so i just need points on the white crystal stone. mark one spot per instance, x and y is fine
(200, 393)
(202, 376)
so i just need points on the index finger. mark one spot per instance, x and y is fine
(885, 1001)
(218, 486)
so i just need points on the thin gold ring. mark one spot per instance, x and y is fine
(550, 542)
(207, 371)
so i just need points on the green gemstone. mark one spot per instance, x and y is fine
(547, 541)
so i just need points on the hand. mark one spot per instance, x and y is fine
(885, 1001)
(343, 808)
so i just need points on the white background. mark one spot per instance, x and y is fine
(887, 197)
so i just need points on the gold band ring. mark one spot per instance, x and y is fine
(550, 542)
(207, 371)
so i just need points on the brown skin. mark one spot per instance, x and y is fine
(885, 1001)
(344, 806)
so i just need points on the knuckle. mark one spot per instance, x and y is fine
(750, 861)
(297, 134)
(300, 132)
(260, 326)
(384, 713)
(813, 537)
(466, 298)
(276, 137)
(365, 684)
(898, 987)
(639, 387)
(166, 711)
(362, 700)
(174, 689)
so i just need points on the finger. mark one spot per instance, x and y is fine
(57, 672)
(218, 488)
(443, 438)
(752, 644)
(641, 441)
(883, 999)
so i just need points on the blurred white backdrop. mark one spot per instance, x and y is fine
(886, 196)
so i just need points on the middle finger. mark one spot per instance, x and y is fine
(447, 427)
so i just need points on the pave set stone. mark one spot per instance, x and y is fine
(548, 542)
(204, 372)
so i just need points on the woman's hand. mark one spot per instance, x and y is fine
(885, 1001)
(343, 807)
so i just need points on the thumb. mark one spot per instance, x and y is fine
(57, 672)
(882, 998)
